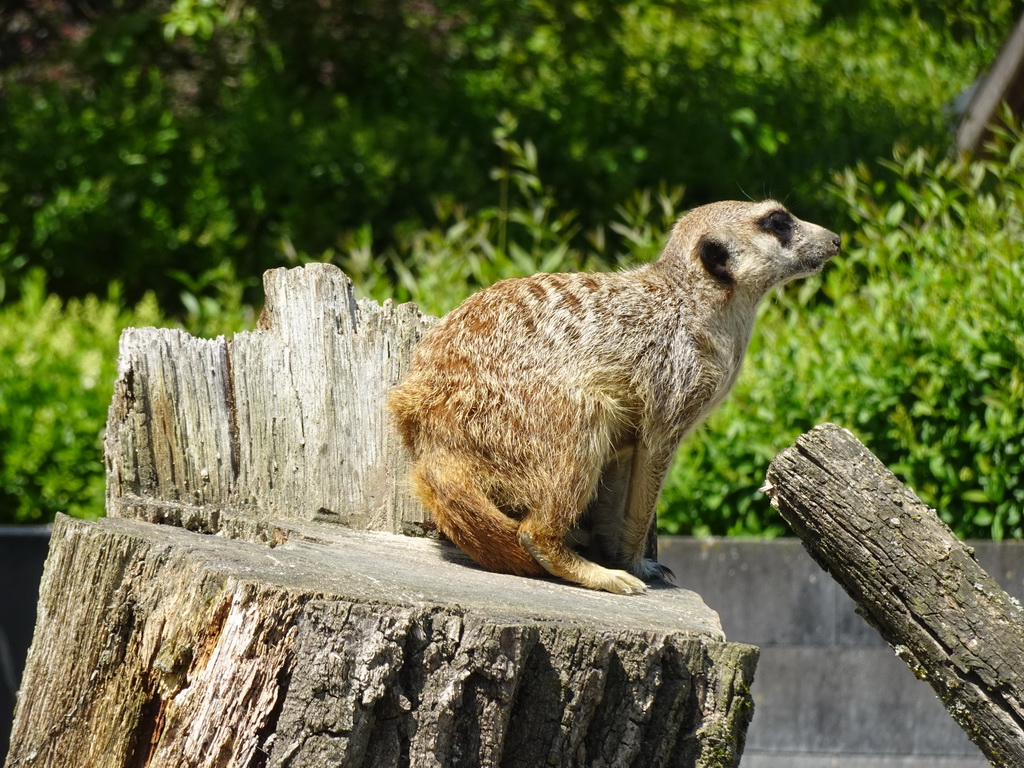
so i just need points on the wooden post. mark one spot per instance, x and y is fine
(248, 602)
(1002, 84)
(912, 579)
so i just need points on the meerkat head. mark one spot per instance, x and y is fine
(750, 247)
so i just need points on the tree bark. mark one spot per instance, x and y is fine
(912, 579)
(157, 646)
(230, 611)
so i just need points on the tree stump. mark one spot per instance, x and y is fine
(912, 579)
(249, 602)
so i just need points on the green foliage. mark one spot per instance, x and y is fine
(463, 251)
(58, 361)
(913, 339)
(214, 302)
(57, 367)
(183, 146)
(178, 134)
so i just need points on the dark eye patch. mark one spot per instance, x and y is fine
(780, 224)
(715, 258)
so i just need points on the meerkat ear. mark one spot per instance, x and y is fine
(715, 258)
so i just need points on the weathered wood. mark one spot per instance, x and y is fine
(912, 579)
(157, 646)
(286, 421)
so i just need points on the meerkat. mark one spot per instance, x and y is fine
(546, 405)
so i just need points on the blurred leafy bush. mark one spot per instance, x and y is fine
(913, 339)
(182, 146)
(58, 361)
(464, 250)
(175, 135)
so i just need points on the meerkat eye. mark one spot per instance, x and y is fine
(780, 224)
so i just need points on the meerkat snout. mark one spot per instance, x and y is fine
(544, 412)
(811, 246)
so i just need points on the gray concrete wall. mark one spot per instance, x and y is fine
(828, 692)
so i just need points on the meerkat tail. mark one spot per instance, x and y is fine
(474, 524)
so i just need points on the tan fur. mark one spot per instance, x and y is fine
(548, 406)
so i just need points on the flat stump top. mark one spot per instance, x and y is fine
(374, 567)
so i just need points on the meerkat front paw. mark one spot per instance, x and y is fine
(651, 570)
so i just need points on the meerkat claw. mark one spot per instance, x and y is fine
(664, 573)
(651, 570)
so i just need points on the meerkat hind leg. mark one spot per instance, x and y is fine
(551, 552)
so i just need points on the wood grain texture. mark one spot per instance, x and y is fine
(158, 646)
(286, 421)
(912, 579)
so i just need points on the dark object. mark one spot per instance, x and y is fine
(22, 553)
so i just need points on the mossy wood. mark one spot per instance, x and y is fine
(912, 579)
(221, 616)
